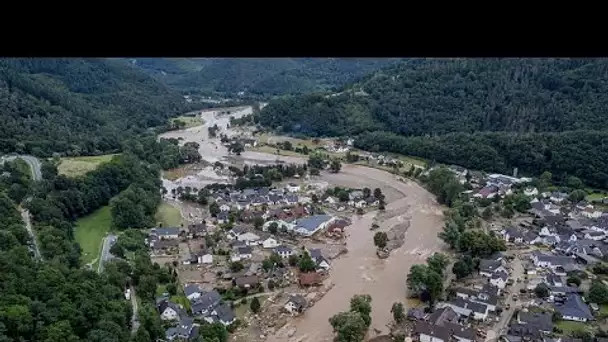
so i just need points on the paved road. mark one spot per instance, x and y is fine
(34, 164)
(108, 241)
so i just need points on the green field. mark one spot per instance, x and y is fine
(595, 196)
(191, 121)
(77, 166)
(570, 326)
(90, 231)
(168, 215)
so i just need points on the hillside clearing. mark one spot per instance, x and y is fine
(190, 121)
(78, 166)
(90, 231)
(168, 215)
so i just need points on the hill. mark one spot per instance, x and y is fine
(78, 106)
(492, 114)
(258, 76)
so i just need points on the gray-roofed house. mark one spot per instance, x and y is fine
(222, 314)
(431, 333)
(551, 261)
(192, 291)
(539, 321)
(295, 304)
(241, 253)
(512, 234)
(443, 315)
(165, 233)
(309, 225)
(466, 307)
(574, 309)
(489, 267)
(499, 279)
(284, 251)
(247, 282)
(483, 297)
(320, 260)
(169, 311)
(206, 302)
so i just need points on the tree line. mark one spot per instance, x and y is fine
(486, 114)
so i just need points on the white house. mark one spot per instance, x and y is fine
(431, 332)
(225, 207)
(590, 212)
(312, 224)
(499, 279)
(292, 187)
(169, 311)
(270, 243)
(283, 251)
(594, 235)
(295, 305)
(242, 253)
(165, 233)
(205, 259)
(558, 197)
(330, 200)
(530, 191)
(235, 232)
(249, 238)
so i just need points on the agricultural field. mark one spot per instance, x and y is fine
(78, 166)
(168, 215)
(90, 231)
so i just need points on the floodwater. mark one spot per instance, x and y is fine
(360, 271)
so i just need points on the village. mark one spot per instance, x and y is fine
(542, 287)
(275, 244)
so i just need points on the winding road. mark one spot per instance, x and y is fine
(34, 164)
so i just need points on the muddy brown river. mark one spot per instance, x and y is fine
(360, 271)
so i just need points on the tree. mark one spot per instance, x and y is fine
(577, 196)
(367, 192)
(541, 290)
(486, 214)
(214, 209)
(306, 264)
(380, 239)
(215, 332)
(172, 289)
(314, 171)
(316, 161)
(598, 293)
(438, 262)
(348, 327)
(378, 193)
(255, 305)
(425, 282)
(271, 284)
(398, 312)
(314, 198)
(362, 304)
(335, 166)
(258, 222)
(236, 266)
(463, 267)
(273, 228)
(574, 280)
(574, 183)
(292, 260)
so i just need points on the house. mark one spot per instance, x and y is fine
(574, 309)
(249, 238)
(192, 291)
(243, 253)
(165, 233)
(359, 203)
(247, 282)
(169, 310)
(274, 199)
(590, 212)
(530, 192)
(486, 297)
(206, 258)
(197, 230)
(489, 267)
(280, 223)
(270, 243)
(319, 259)
(291, 199)
(163, 245)
(355, 195)
(442, 316)
(431, 333)
(292, 187)
(465, 308)
(309, 225)
(595, 235)
(512, 234)
(553, 279)
(225, 207)
(182, 331)
(284, 251)
(330, 200)
(372, 201)
(416, 314)
(487, 192)
(222, 314)
(558, 197)
(205, 303)
(235, 232)
(295, 304)
(309, 279)
(550, 261)
(499, 279)
(222, 217)
(539, 321)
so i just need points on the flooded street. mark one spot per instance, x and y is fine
(360, 271)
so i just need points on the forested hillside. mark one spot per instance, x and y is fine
(258, 76)
(500, 108)
(78, 106)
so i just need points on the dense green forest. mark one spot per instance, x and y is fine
(78, 106)
(258, 76)
(491, 114)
